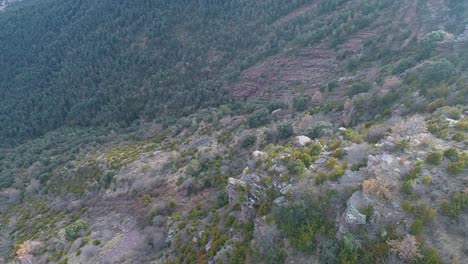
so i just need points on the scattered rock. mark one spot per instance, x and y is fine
(258, 154)
(279, 113)
(303, 140)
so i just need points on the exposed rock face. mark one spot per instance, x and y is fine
(357, 202)
(252, 194)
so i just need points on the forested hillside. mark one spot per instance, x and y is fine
(99, 62)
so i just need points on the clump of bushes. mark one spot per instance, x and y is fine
(451, 154)
(456, 167)
(427, 180)
(320, 129)
(73, 231)
(368, 211)
(300, 223)
(375, 134)
(297, 167)
(301, 103)
(259, 117)
(416, 227)
(360, 87)
(462, 125)
(459, 137)
(248, 141)
(434, 158)
(439, 127)
(285, 130)
(437, 71)
(456, 205)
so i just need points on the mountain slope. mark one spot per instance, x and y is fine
(330, 131)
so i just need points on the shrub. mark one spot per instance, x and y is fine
(360, 87)
(437, 72)
(304, 157)
(459, 137)
(407, 249)
(358, 166)
(375, 187)
(406, 205)
(368, 211)
(462, 125)
(455, 206)
(329, 251)
(403, 65)
(426, 213)
(300, 223)
(434, 158)
(375, 134)
(407, 187)
(429, 256)
(73, 231)
(416, 227)
(415, 171)
(314, 150)
(96, 242)
(321, 178)
(320, 129)
(439, 127)
(451, 154)
(456, 167)
(285, 130)
(331, 163)
(297, 167)
(403, 144)
(301, 103)
(339, 153)
(259, 117)
(337, 173)
(427, 180)
(248, 141)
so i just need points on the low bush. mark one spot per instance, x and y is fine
(451, 154)
(320, 129)
(459, 137)
(416, 227)
(427, 180)
(301, 103)
(434, 158)
(456, 167)
(73, 231)
(297, 167)
(455, 206)
(259, 117)
(300, 223)
(285, 130)
(360, 87)
(462, 125)
(248, 141)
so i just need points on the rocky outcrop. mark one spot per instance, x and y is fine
(246, 191)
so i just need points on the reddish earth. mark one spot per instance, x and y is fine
(309, 68)
(356, 41)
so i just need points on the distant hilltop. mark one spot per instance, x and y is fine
(5, 3)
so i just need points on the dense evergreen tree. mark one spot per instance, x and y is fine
(101, 62)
